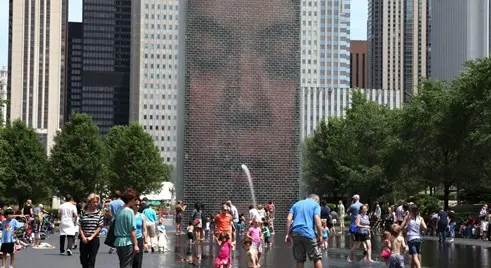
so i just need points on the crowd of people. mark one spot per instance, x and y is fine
(132, 227)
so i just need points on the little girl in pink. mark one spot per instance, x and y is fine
(256, 236)
(223, 258)
(385, 255)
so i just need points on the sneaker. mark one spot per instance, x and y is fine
(153, 250)
(62, 253)
(111, 250)
(69, 252)
(74, 246)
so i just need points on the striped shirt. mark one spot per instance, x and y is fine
(90, 221)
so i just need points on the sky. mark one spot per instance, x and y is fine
(359, 10)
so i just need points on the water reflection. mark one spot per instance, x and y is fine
(280, 255)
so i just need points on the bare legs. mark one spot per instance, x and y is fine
(415, 261)
(351, 255)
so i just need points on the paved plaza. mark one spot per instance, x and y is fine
(461, 253)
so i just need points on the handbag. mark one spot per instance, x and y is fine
(352, 228)
(110, 236)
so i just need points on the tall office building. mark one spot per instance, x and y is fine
(358, 64)
(323, 103)
(399, 44)
(460, 32)
(3, 94)
(325, 43)
(74, 68)
(106, 62)
(154, 72)
(36, 65)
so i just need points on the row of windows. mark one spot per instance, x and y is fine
(158, 17)
(164, 46)
(157, 117)
(150, 96)
(164, 27)
(169, 107)
(157, 56)
(157, 128)
(164, 36)
(159, 7)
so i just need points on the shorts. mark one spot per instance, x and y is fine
(361, 237)
(414, 246)
(178, 218)
(190, 236)
(396, 261)
(303, 247)
(484, 226)
(385, 255)
(7, 248)
(258, 246)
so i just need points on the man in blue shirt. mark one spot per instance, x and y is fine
(151, 219)
(354, 209)
(300, 231)
(114, 207)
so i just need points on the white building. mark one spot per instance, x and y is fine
(36, 65)
(322, 103)
(460, 32)
(153, 93)
(3, 94)
(325, 45)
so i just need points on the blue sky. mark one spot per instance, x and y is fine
(359, 9)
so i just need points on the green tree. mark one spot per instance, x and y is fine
(134, 161)
(77, 160)
(347, 155)
(25, 165)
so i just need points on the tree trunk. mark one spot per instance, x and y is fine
(446, 194)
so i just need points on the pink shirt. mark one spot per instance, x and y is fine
(225, 250)
(255, 233)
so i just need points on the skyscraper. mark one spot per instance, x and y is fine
(325, 43)
(154, 72)
(358, 64)
(3, 94)
(460, 32)
(106, 62)
(399, 44)
(74, 68)
(36, 65)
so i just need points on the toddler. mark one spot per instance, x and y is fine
(255, 235)
(190, 230)
(207, 227)
(325, 235)
(223, 258)
(266, 233)
(240, 225)
(398, 247)
(9, 226)
(252, 259)
(386, 249)
(162, 235)
(452, 226)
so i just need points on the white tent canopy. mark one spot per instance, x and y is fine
(164, 194)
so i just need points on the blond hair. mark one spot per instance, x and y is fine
(93, 196)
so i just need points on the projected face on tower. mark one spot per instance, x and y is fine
(242, 89)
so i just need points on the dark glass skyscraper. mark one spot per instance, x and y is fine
(106, 62)
(74, 68)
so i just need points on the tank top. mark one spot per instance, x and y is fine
(364, 221)
(139, 226)
(413, 229)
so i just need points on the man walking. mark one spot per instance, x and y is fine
(354, 209)
(114, 207)
(300, 231)
(235, 218)
(67, 213)
(151, 218)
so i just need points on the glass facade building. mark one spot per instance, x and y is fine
(106, 62)
(74, 69)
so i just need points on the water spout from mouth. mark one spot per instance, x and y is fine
(251, 186)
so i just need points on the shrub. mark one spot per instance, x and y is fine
(426, 203)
